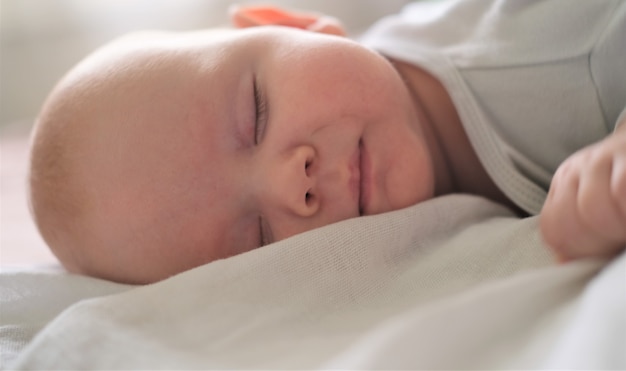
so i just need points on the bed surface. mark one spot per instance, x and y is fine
(455, 283)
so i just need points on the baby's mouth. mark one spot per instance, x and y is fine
(366, 180)
(361, 180)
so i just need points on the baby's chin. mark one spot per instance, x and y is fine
(411, 202)
(409, 195)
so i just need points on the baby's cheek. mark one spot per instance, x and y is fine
(410, 179)
(408, 187)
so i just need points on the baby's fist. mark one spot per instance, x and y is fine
(585, 212)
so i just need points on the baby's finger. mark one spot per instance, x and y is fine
(618, 187)
(597, 207)
(560, 222)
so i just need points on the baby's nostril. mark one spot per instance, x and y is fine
(307, 197)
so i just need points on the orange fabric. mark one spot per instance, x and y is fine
(251, 16)
(262, 16)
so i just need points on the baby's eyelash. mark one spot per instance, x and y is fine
(260, 113)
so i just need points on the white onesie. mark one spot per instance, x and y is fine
(533, 81)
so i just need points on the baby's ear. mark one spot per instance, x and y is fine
(252, 16)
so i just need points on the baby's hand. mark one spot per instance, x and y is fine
(252, 16)
(585, 212)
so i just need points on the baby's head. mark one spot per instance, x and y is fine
(162, 152)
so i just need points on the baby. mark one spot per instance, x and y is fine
(165, 151)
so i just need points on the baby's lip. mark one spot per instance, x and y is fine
(364, 186)
(355, 177)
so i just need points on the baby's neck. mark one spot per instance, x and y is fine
(456, 165)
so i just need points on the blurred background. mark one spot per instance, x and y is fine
(40, 40)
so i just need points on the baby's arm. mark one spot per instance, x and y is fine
(585, 212)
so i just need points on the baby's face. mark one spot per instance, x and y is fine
(207, 145)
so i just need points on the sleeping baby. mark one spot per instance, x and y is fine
(161, 152)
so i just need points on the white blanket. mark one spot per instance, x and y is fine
(456, 282)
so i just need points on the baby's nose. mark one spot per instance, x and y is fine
(298, 188)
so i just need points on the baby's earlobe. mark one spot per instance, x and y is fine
(329, 26)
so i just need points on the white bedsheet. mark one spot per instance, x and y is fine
(456, 282)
